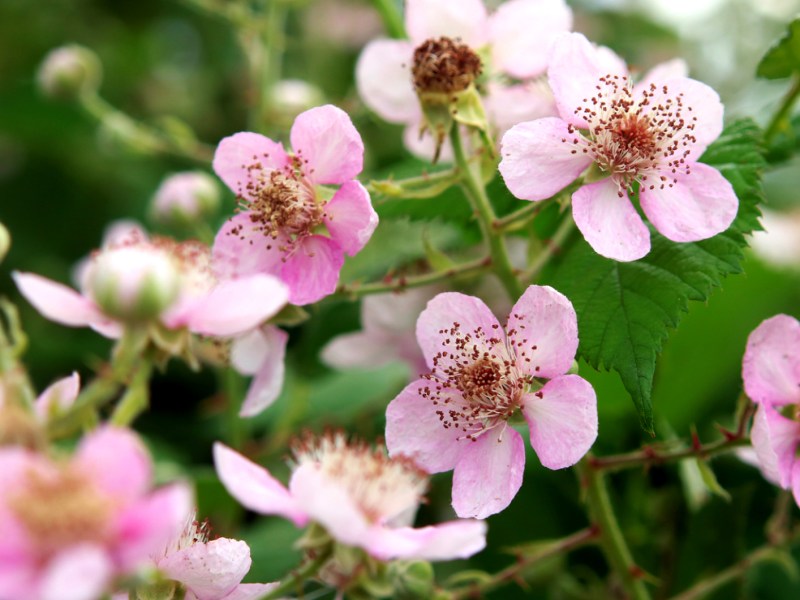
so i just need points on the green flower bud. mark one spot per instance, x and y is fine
(68, 72)
(412, 579)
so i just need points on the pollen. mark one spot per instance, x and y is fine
(445, 66)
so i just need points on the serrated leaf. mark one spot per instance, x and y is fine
(625, 310)
(783, 58)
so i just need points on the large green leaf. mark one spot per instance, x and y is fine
(625, 310)
(783, 58)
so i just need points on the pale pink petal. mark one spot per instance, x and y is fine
(312, 272)
(57, 302)
(240, 249)
(414, 429)
(211, 570)
(489, 473)
(328, 145)
(775, 439)
(244, 158)
(541, 157)
(268, 382)
(350, 218)
(695, 207)
(508, 105)
(446, 541)
(362, 349)
(771, 365)
(383, 78)
(396, 312)
(522, 32)
(82, 572)
(661, 73)
(609, 223)
(116, 461)
(543, 328)
(253, 486)
(250, 591)
(423, 145)
(575, 68)
(235, 306)
(448, 312)
(562, 418)
(464, 19)
(58, 396)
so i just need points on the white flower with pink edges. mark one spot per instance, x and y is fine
(481, 375)
(651, 134)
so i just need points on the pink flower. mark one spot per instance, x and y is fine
(456, 417)
(283, 204)
(771, 373)
(513, 42)
(77, 525)
(360, 496)
(652, 134)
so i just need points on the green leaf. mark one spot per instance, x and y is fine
(710, 480)
(783, 58)
(625, 310)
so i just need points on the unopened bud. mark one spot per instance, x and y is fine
(69, 71)
(412, 579)
(185, 198)
(134, 283)
(289, 97)
(5, 241)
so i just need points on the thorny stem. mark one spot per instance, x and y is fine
(515, 571)
(392, 19)
(551, 248)
(611, 539)
(476, 193)
(298, 577)
(783, 111)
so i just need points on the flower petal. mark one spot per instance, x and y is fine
(540, 158)
(446, 541)
(116, 461)
(464, 19)
(609, 223)
(328, 145)
(251, 591)
(253, 486)
(383, 78)
(562, 418)
(83, 572)
(414, 429)
(690, 207)
(771, 365)
(661, 73)
(775, 439)
(350, 218)
(488, 474)
(57, 302)
(522, 32)
(244, 158)
(210, 570)
(58, 396)
(240, 249)
(360, 349)
(268, 382)
(508, 105)
(312, 272)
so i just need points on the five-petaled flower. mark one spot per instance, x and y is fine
(651, 135)
(457, 416)
(284, 207)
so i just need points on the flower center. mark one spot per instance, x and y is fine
(382, 487)
(283, 203)
(641, 137)
(444, 66)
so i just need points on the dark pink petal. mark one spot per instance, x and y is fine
(575, 68)
(116, 461)
(329, 147)
(489, 473)
(312, 272)
(211, 570)
(452, 310)
(414, 429)
(244, 158)
(543, 330)
(609, 223)
(350, 218)
(696, 206)
(522, 32)
(58, 396)
(771, 365)
(775, 439)
(254, 487)
(464, 19)
(562, 418)
(85, 570)
(268, 382)
(446, 541)
(540, 158)
(57, 302)
(383, 78)
(245, 252)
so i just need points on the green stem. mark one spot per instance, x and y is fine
(785, 108)
(476, 193)
(392, 19)
(231, 383)
(298, 577)
(93, 396)
(518, 217)
(552, 247)
(136, 398)
(263, 48)
(611, 539)
(474, 267)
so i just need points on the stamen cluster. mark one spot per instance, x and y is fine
(444, 65)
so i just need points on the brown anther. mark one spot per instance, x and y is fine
(444, 65)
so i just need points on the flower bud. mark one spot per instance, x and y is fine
(5, 241)
(134, 283)
(69, 71)
(412, 579)
(289, 97)
(185, 198)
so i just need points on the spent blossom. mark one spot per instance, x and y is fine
(285, 206)
(650, 134)
(481, 374)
